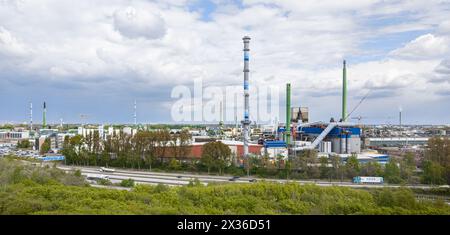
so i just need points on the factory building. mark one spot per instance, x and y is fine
(83, 131)
(13, 135)
(396, 141)
(368, 157)
(342, 138)
(236, 147)
(275, 149)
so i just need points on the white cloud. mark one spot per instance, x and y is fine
(427, 46)
(444, 27)
(141, 46)
(10, 46)
(136, 23)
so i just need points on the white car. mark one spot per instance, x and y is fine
(104, 169)
(96, 177)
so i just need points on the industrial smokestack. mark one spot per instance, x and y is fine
(221, 115)
(44, 123)
(246, 121)
(135, 115)
(344, 94)
(287, 133)
(31, 116)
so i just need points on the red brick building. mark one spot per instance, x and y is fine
(236, 147)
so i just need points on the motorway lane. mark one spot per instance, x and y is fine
(142, 173)
(158, 177)
(172, 178)
(162, 177)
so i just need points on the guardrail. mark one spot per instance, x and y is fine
(432, 197)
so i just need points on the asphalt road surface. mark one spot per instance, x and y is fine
(173, 179)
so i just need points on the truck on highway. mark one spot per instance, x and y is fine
(104, 169)
(367, 180)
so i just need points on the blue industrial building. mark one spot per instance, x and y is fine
(337, 137)
(275, 144)
(340, 138)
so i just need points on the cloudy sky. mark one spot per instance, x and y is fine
(97, 57)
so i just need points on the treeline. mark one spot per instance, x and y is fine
(154, 150)
(160, 150)
(436, 164)
(307, 165)
(432, 168)
(143, 150)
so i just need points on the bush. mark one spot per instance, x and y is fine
(104, 182)
(174, 165)
(23, 144)
(194, 183)
(161, 188)
(127, 183)
(27, 190)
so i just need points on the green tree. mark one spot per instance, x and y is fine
(338, 169)
(407, 166)
(438, 152)
(45, 147)
(174, 164)
(255, 162)
(216, 154)
(185, 143)
(352, 166)
(23, 144)
(325, 171)
(433, 173)
(162, 138)
(306, 163)
(371, 168)
(75, 147)
(392, 172)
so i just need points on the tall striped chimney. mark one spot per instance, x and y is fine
(246, 121)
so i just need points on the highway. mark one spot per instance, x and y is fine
(177, 179)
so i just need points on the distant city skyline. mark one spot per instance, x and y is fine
(97, 58)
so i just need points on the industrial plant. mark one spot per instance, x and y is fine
(279, 142)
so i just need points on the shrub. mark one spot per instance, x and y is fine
(104, 182)
(194, 183)
(127, 183)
